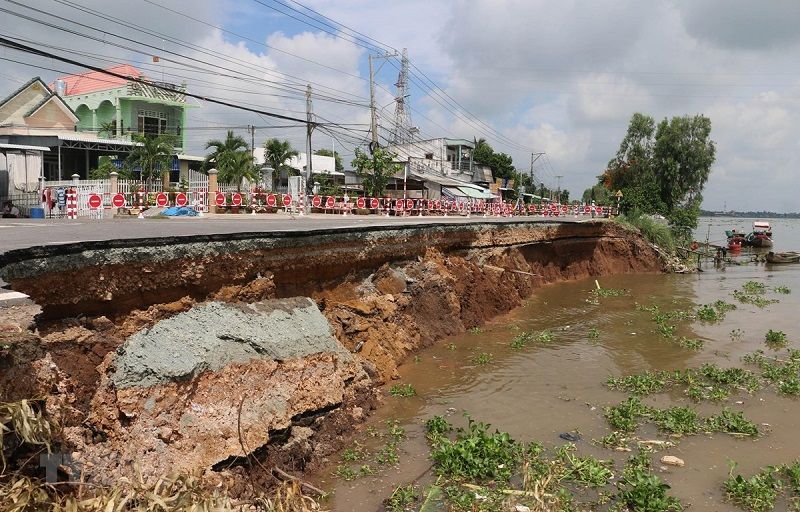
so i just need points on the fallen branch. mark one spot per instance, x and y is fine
(511, 492)
(283, 475)
(501, 269)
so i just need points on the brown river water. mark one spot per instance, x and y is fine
(543, 390)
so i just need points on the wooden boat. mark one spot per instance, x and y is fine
(761, 236)
(783, 257)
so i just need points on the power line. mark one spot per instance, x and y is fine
(311, 61)
(453, 107)
(297, 88)
(27, 49)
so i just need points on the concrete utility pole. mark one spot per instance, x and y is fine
(252, 130)
(309, 129)
(534, 158)
(373, 125)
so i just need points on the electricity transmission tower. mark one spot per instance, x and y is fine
(401, 129)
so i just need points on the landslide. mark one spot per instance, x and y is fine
(382, 302)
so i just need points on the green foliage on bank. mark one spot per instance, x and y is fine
(652, 230)
(662, 168)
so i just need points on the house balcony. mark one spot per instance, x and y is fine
(163, 91)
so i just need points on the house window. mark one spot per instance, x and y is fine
(152, 122)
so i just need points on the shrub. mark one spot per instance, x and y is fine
(653, 231)
(405, 390)
(476, 454)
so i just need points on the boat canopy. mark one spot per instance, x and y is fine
(758, 225)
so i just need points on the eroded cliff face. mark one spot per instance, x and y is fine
(229, 369)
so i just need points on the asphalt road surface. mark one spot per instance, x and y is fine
(23, 233)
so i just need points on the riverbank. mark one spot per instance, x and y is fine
(385, 294)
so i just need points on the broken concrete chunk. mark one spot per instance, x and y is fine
(213, 335)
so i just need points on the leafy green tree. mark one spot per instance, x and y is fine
(239, 166)
(335, 154)
(327, 185)
(375, 171)
(104, 169)
(501, 164)
(599, 194)
(663, 169)
(223, 150)
(683, 154)
(277, 153)
(152, 154)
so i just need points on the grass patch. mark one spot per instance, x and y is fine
(783, 289)
(753, 292)
(783, 373)
(626, 416)
(403, 390)
(729, 422)
(402, 498)
(691, 343)
(642, 384)
(775, 339)
(437, 428)
(653, 231)
(642, 491)
(476, 454)
(586, 470)
(593, 333)
(475, 330)
(708, 382)
(757, 493)
(482, 358)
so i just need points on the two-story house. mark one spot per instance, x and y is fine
(84, 116)
(116, 107)
(441, 168)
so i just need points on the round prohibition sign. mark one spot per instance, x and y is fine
(95, 201)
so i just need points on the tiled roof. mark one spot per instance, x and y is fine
(96, 81)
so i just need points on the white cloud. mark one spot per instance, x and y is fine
(563, 77)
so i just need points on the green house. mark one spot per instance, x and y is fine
(116, 107)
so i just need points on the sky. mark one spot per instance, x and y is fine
(559, 77)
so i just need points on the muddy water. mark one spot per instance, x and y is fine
(543, 390)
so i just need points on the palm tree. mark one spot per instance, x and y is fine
(238, 167)
(276, 154)
(109, 128)
(152, 154)
(222, 150)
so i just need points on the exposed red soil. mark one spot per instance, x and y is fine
(381, 313)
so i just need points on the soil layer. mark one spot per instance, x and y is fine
(385, 293)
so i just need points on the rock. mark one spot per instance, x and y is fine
(522, 508)
(572, 437)
(672, 460)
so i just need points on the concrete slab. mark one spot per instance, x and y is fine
(213, 335)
